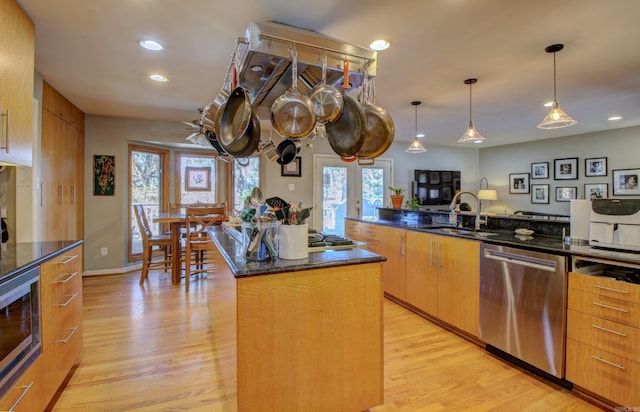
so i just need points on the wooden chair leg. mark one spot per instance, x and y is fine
(187, 267)
(146, 257)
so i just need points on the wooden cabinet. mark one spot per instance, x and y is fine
(393, 247)
(17, 46)
(369, 233)
(62, 164)
(61, 316)
(422, 271)
(442, 278)
(603, 337)
(27, 394)
(458, 282)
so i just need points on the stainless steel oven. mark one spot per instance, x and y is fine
(19, 324)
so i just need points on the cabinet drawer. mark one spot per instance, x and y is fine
(619, 339)
(604, 286)
(352, 230)
(605, 307)
(59, 359)
(610, 376)
(58, 321)
(27, 393)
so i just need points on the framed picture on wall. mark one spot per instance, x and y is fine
(292, 169)
(565, 194)
(625, 182)
(104, 175)
(197, 179)
(596, 191)
(540, 170)
(539, 193)
(565, 169)
(595, 166)
(519, 183)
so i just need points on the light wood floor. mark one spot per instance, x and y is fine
(148, 349)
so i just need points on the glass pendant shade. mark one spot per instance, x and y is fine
(471, 135)
(556, 118)
(415, 146)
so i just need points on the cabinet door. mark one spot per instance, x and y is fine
(393, 244)
(422, 271)
(458, 283)
(27, 394)
(17, 42)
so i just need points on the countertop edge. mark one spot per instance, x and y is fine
(229, 250)
(545, 244)
(37, 261)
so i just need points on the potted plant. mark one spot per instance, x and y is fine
(396, 196)
(413, 203)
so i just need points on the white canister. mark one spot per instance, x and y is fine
(293, 241)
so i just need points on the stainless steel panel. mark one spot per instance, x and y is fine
(522, 305)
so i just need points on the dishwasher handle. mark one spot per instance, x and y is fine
(522, 260)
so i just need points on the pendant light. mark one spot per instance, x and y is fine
(471, 135)
(556, 117)
(416, 146)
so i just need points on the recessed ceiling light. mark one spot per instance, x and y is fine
(158, 78)
(379, 45)
(548, 104)
(613, 118)
(151, 45)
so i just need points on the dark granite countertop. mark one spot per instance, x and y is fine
(545, 244)
(233, 254)
(19, 257)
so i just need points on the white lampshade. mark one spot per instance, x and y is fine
(487, 194)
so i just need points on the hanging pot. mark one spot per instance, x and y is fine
(288, 150)
(248, 142)
(326, 99)
(222, 154)
(292, 114)
(380, 129)
(236, 116)
(346, 134)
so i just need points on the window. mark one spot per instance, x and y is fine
(245, 178)
(196, 178)
(148, 186)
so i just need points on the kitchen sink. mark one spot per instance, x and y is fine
(465, 232)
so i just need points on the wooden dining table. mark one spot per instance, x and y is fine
(176, 221)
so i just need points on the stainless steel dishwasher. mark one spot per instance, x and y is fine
(522, 306)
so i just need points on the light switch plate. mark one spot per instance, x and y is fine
(292, 187)
(3, 213)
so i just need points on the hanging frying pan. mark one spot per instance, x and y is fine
(346, 135)
(380, 129)
(326, 99)
(292, 114)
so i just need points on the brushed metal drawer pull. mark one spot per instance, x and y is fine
(25, 389)
(73, 331)
(602, 305)
(67, 260)
(598, 358)
(611, 289)
(68, 278)
(68, 301)
(624, 335)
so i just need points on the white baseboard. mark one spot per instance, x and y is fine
(117, 271)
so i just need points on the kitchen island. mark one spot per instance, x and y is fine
(293, 335)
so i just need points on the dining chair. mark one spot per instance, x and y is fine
(149, 242)
(198, 243)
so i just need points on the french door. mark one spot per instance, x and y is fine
(148, 185)
(344, 189)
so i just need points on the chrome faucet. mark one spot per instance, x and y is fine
(479, 219)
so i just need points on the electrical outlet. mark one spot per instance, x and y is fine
(104, 251)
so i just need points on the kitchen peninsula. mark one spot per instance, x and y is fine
(296, 335)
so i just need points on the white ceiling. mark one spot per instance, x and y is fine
(88, 51)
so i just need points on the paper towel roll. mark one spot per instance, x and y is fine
(580, 219)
